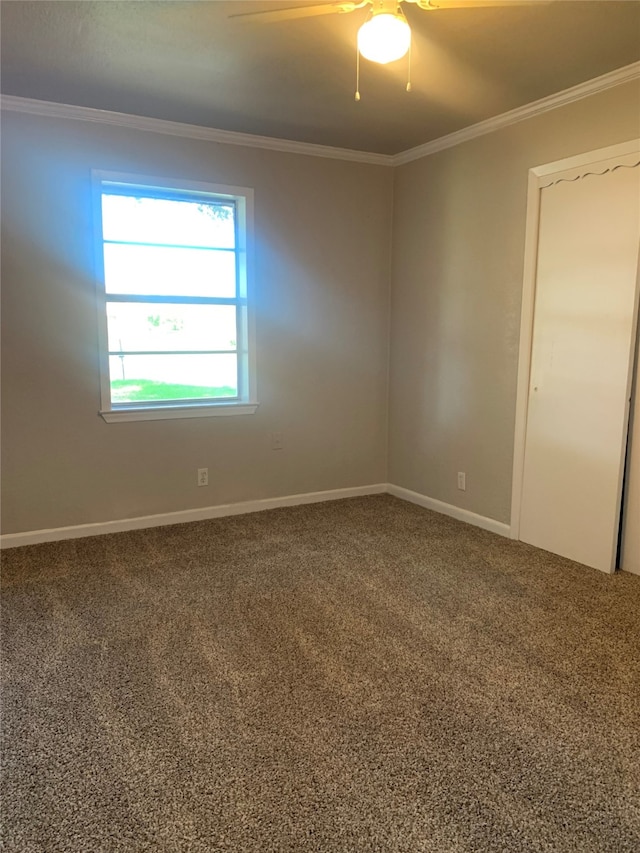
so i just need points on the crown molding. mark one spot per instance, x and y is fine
(50, 109)
(14, 103)
(591, 87)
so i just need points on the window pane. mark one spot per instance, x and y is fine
(144, 378)
(156, 326)
(161, 220)
(162, 271)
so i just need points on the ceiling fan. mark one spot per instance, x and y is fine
(385, 36)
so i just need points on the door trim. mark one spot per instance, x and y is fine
(571, 168)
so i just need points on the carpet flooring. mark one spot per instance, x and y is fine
(360, 675)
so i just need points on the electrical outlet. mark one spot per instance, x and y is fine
(203, 476)
(277, 442)
(462, 481)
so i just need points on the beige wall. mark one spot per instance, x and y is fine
(323, 232)
(458, 242)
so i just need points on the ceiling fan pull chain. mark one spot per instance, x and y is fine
(409, 88)
(357, 96)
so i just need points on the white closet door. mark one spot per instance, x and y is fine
(584, 321)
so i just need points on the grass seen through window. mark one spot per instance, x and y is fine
(147, 390)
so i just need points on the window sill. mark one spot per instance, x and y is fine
(162, 413)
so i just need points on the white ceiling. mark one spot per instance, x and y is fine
(191, 62)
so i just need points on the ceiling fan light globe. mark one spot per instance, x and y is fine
(384, 38)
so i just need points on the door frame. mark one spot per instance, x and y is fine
(569, 169)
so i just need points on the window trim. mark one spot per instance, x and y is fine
(246, 402)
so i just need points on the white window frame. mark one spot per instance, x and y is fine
(246, 402)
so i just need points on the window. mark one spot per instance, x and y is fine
(173, 298)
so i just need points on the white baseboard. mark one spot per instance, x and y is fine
(77, 531)
(448, 509)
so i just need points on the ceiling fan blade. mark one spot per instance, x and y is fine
(272, 16)
(435, 5)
